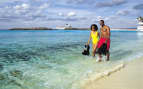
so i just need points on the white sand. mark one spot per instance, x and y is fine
(130, 77)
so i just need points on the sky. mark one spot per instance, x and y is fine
(78, 13)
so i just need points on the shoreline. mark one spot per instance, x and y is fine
(120, 77)
(95, 77)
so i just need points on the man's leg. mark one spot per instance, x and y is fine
(108, 56)
(100, 57)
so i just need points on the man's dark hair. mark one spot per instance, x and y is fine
(102, 21)
(96, 28)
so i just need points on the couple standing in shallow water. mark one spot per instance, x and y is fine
(100, 41)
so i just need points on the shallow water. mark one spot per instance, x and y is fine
(53, 59)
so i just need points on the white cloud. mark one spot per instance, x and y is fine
(21, 9)
(123, 12)
(116, 21)
(110, 3)
(22, 6)
(67, 14)
(97, 18)
(118, 1)
(44, 6)
(71, 14)
(127, 12)
(139, 6)
(25, 6)
(5, 1)
(62, 11)
(17, 7)
(60, 14)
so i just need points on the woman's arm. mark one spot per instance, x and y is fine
(89, 39)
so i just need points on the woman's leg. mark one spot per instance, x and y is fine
(93, 50)
(94, 47)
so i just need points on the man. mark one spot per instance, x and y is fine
(104, 41)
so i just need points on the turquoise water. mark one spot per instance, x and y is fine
(53, 59)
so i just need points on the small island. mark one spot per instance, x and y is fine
(45, 28)
(32, 28)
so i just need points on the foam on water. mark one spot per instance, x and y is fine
(53, 59)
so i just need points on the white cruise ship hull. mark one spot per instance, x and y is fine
(140, 28)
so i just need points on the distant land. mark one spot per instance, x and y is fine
(129, 29)
(32, 28)
(45, 28)
(124, 28)
(70, 28)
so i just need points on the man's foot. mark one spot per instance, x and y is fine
(107, 59)
(98, 60)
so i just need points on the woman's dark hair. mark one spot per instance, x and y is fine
(96, 28)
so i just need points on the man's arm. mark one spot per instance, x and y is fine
(108, 32)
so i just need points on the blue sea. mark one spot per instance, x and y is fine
(52, 59)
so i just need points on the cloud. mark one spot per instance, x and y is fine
(5, 1)
(67, 19)
(71, 14)
(138, 7)
(67, 14)
(23, 8)
(22, 12)
(60, 14)
(44, 6)
(123, 12)
(94, 3)
(5, 20)
(62, 19)
(80, 1)
(97, 18)
(77, 12)
(128, 12)
(110, 4)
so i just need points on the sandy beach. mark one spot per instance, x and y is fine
(129, 77)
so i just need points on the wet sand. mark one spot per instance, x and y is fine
(129, 77)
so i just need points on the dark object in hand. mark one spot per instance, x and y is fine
(86, 50)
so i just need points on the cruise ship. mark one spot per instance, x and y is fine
(60, 27)
(140, 24)
(63, 27)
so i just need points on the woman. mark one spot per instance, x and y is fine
(94, 35)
